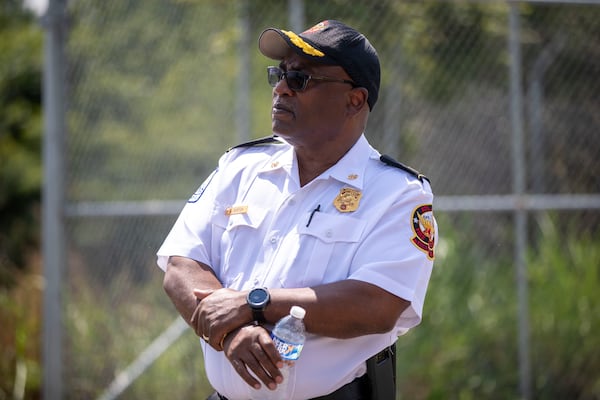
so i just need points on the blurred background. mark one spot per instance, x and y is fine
(113, 112)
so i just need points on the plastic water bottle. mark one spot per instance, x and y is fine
(289, 336)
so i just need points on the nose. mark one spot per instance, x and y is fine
(282, 88)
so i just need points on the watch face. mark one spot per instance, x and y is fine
(258, 297)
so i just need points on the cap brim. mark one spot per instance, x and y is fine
(272, 44)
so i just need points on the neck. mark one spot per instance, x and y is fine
(308, 171)
(313, 162)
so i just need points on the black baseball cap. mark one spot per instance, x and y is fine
(329, 42)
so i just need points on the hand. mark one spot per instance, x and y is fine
(251, 347)
(218, 313)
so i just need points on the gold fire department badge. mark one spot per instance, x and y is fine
(347, 200)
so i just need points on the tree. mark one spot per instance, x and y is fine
(20, 181)
(20, 136)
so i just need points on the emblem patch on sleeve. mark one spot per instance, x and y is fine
(423, 225)
(196, 196)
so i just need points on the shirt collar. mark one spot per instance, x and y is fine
(350, 169)
(283, 159)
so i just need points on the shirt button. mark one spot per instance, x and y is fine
(329, 233)
(273, 240)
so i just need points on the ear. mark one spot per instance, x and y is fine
(357, 100)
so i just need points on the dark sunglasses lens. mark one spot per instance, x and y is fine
(296, 80)
(273, 75)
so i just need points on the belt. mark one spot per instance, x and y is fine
(358, 389)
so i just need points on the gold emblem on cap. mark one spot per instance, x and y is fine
(274, 164)
(307, 48)
(236, 210)
(352, 177)
(347, 200)
(318, 27)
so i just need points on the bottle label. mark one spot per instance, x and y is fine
(288, 351)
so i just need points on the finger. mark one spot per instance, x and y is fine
(268, 373)
(217, 337)
(198, 323)
(270, 350)
(206, 331)
(214, 341)
(269, 366)
(216, 334)
(202, 293)
(242, 371)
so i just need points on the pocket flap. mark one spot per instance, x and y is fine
(250, 216)
(334, 228)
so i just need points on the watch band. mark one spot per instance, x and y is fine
(258, 315)
(257, 299)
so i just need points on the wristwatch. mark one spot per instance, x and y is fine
(257, 299)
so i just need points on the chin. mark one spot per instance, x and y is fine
(287, 137)
(280, 130)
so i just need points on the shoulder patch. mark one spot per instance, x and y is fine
(258, 142)
(393, 163)
(196, 196)
(424, 225)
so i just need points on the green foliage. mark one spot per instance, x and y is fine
(20, 180)
(111, 341)
(565, 315)
(20, 326)
(160, 93)
(20, 137)
(465, 347)
(573, 70)
(165, 97)
(449, 44)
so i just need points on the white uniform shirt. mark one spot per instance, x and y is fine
(249, 221)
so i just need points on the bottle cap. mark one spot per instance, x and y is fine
(297, 312)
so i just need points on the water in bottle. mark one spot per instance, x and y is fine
(289, 336)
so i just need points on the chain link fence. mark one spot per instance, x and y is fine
(496, 102)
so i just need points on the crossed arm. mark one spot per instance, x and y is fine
(343, 309)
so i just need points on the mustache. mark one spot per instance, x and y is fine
(280, 105)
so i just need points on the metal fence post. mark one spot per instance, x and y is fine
(53, 228)
(243, 100)
(520, 213)
(296, 15)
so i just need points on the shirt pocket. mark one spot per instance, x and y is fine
(330, 241)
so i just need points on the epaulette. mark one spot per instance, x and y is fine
(257, 142)
(390, 161)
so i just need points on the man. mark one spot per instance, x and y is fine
(312, 216)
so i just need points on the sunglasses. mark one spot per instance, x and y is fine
(297, 80)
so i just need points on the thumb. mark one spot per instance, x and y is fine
(202, 293)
